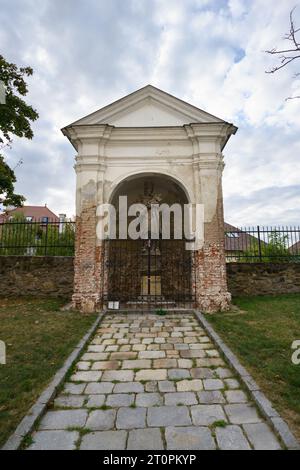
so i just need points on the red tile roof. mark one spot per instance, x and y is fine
(36, 212)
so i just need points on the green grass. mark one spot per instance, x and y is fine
(261, 332)
(39, 337)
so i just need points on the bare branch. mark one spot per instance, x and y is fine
(287, 55)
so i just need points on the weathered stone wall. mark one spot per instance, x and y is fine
(52, 276)
(41, 276)
(263, 278)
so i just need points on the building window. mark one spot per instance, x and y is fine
(232, 235)
(29, 218)
(45, 220)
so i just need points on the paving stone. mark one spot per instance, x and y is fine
(168, 416)
(261, 437)
(192, 354)
(180, 398)
(178, 374)
(145, 439)
(189, 385)
(129, 387)
(223, 373)
(120, 375)
(212, 353)
(151, 386)
(74, 389)
(86, 376)
(99, 387)
(166, 386)
(104, 440)
(202, 373)
(69, 401)
(208, 362)
(139, 347)
(181, 347)
(125, 347)
(123, 355)
(96, 348)
(236, 396)
(148, 399)
(110, 349)
(131, 418)
(137, 364)
(164, 363)
(189, 438)
(205, 415)
(213, 384)
(231, 438)
(232, 383)
(185, 363)
(157, 374)
(211, 397)
(54, 440)
(95, 401)
(64, 419)
(106, 365)
(153, 347)
(83, 365)
(101, 420)
(151, 354)
(242, 414)
(119, 399)
(94, 356)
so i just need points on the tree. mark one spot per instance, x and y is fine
(15, 119)
(291, 53)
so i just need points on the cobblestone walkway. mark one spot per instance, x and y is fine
(152, 382)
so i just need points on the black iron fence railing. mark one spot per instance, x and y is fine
(262, 244)
(57, 238)
(39, 238)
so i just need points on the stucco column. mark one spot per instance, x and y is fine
(210, 265)
(89, 264)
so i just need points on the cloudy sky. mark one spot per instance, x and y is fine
(207, 52)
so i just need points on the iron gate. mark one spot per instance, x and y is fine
(147, 274)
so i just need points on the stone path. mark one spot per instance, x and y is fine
(152, 382)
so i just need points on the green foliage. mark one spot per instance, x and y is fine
(7, 181)
(15, 119)
(275, 250)
(15, 114)
(161, 312)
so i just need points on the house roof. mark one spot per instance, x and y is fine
(240, 241)
(36, 212)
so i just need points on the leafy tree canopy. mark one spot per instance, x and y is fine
(15, 119)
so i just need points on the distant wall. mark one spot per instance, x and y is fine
(52, 276)
(263, 278)
(42, 276)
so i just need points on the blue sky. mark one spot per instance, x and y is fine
(207, 52)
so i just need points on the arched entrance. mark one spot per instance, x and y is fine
(154, 270)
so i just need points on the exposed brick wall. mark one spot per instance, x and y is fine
(263, 278)
(41, 276)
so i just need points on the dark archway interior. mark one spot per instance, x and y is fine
(150, 270)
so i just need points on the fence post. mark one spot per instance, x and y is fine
(46, 238)
(259, 243)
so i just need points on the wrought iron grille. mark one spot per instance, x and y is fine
(143, 274)
(262, 244)
(41, 238)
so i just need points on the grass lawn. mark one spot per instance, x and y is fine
(261, 333)
(38, 337)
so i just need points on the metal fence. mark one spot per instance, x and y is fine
(262, 244)
(56, 238)
(39, 238)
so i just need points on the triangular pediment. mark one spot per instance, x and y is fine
(148, 107)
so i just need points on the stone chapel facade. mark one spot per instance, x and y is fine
(153, 144)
